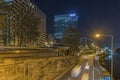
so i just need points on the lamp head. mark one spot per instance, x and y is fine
(97, 35)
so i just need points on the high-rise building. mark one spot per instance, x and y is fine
(26, 5)
(62, 22)
(42, 27)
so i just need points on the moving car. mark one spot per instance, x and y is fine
(76, 71)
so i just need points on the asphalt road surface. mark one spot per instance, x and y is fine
(83, 71)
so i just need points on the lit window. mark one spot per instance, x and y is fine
(8, 0)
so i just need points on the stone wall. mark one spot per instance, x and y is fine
(32, 68)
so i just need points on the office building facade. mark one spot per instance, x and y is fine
(12, 22)
(62, 22)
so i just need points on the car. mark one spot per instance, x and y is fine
(76, 71)
(87, 66)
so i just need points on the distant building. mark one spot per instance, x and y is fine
(26, 4)
(50, 42)
(87, 43)
(61, 22)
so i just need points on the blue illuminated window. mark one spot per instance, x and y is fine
(8, 1)
(72, 14)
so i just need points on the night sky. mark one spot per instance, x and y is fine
(101, 16)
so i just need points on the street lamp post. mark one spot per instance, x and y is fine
(111, 52)
(112, 57)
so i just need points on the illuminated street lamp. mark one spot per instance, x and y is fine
(51, 42)
(97, 35)
(111, 52)
(46, 43)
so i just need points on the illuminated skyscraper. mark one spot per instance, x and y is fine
(62, 22)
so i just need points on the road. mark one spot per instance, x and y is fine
(84, 71)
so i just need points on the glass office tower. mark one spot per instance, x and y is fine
(62, 22)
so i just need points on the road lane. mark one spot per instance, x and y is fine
(86, 71)
(85, 76)
(78, 75)
(68, 76)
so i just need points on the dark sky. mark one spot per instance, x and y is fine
(94, 15)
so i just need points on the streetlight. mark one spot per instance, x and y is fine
(97, 35)
(51, 42)
(111, 52)
(46, 43)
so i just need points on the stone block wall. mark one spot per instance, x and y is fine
(34, 68)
